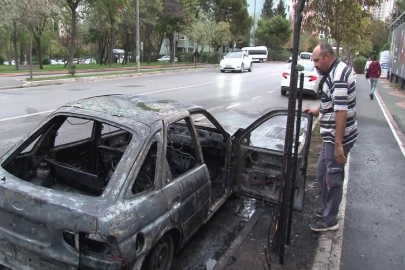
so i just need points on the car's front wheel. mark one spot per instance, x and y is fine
(242, 68)
(222, 71)
(161, 256)
(250, 67)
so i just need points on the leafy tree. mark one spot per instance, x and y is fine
(379, 34)
(73, 6)
(202, 30)
(280, 9)
(236, 13)
(267, 11)
(335, 18)
(398, 10)
(222, 35)
(149, 11)
(274, 33)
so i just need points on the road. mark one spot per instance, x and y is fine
(233, 98)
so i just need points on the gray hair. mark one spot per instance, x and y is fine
(326, 48)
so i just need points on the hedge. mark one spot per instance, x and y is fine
(282, 57)
(46, 61)
(359, 63)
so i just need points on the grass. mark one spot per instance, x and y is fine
(47, 68)
(97, 75)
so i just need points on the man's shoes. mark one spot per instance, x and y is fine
(371, 96)
(321, 226)
(319, 212)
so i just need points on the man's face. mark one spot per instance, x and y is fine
(321, 63)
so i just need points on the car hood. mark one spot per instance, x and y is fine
(228, 61)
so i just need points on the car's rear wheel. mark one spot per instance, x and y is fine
(261, 60)
(242, 69)
(283, 92)
(250, 67)
(161, 256)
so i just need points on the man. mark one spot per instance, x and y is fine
(337, 115)
(367, 65)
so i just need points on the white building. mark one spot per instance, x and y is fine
(384, 10)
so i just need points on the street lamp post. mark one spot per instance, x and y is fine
(254, 25)
(138, 51)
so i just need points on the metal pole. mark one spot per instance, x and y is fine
(254, 26)
(174, 48)
(138, 49)
(31, 55)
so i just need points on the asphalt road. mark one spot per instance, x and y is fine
(234, 99)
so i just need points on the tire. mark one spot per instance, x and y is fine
(161, 255)
(242, 69)
(283, 92)
(261, 60)
(222, 71)
(251, 66)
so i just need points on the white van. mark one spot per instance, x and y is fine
(258, 53)
(305, 56)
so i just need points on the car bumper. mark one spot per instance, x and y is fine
(305, 90)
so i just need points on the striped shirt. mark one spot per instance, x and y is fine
(338, 94)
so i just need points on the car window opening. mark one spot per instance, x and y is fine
(72, 155)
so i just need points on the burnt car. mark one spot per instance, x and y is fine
(124, 181)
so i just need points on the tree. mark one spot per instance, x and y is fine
(149, 11)
(274, 33)
(222, 34)
(73, 5)
(334, 17)
(280, 9)
(267, 11)
(379, 34)
(236, 13)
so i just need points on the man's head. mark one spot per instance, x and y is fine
(374, 58)
(323, 57)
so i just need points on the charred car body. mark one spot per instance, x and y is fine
(123, 182)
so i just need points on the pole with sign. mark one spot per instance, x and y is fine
(142, 50)
(175, 38)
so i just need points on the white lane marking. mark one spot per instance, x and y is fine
(256, 97)
(23, 116)
(113, 85)
(149, 81)
(195, 85)
(214, 108)
(175, 77)
(233, 106)
(3, 97)
(390, 121)
(271, 92)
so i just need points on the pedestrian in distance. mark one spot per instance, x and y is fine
(367, 66)
(374, 71)
(337, 115)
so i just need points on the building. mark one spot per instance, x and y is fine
(384, 10)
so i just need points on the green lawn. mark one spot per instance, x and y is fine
(11, 69)
(96, 75)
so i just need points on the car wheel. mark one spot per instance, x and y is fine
(261, 60)
(242, 69)
(222, 71)
(251, 67)
(161, 256)
(283, 92)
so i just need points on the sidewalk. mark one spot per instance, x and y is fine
(371, 235)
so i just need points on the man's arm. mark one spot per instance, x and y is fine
(341, 117)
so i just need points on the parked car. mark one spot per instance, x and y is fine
(89, 61)
(311, 79)
(54, 62)
(305, 56)
(236, 61)
(60, 62)
(166, 58)
(7, 63)
(121, 181)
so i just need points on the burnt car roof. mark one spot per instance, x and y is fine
(143, 109)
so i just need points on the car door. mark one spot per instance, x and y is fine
(187, 183)
(258, 153)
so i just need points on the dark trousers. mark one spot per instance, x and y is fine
(330, 178)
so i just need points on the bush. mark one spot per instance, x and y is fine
(72, 69)
(359, 63)
(185, 57)
(282, 57)
(46, 61)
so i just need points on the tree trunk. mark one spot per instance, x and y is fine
(38, 40)
(22, 56)
(15, 44)
(73, 36)
(112, 41)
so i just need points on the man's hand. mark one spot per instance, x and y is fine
(314, 112)
(339, 154)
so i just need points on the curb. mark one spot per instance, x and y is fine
(97, 78)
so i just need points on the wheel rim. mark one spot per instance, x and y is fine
(163, 255)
